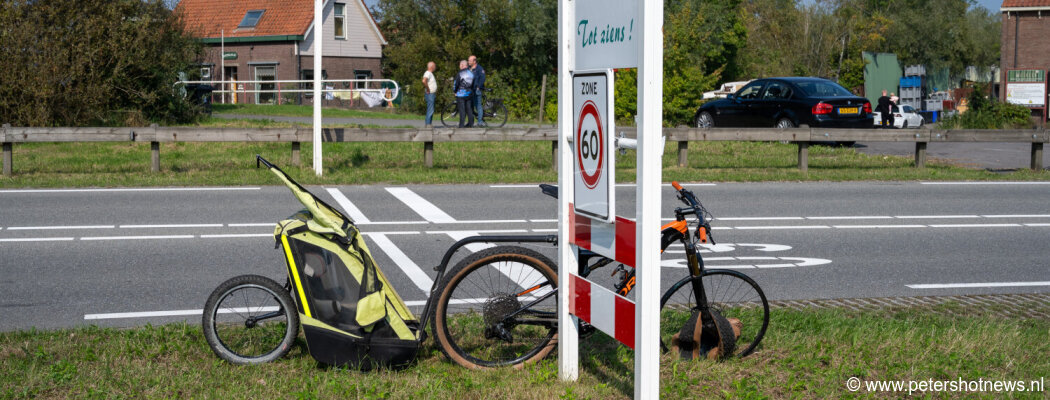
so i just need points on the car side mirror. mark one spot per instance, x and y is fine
(731, 96)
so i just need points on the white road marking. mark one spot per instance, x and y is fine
(792, 262)
(1018, 216)
(421, 206)
(409, 267)
(237, 235)
(28, 228)
(975, 226)
(351, 210)
(172, 226)
(544, 230)
(878, 226)
(984, 183)
(475, 247)
(494, 221)
(976, 285)
(1036, 224)
(50, 239)
(936, 216)
(394, 223)
(177, 313)
(200, 189)
(759, 219)
(514, 186)
(137, 237)
(261, 224)
(392, 233)
(853, 217)
(543, 220)
(512, 271)
(783, 227)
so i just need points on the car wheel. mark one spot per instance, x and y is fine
(704, 120)
(905, 126)
(785, 123)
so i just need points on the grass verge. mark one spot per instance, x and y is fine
(806, 354)
(213, 164)
(288, 110)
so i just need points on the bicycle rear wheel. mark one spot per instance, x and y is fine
(450, 116)
(735, 296)
(250, 319)
(497, 308)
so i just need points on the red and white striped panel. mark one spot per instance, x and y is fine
(615, 240)
(607, 311)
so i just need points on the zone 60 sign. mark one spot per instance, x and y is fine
(593, 163)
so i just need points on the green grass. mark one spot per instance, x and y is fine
(287, 110)
(806, 354)
(192, 164)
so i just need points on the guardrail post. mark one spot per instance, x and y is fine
(1037, 156)
(554, 155)
(803, 156)
(920, 154)
(683, 153)
(8, 169)
(428, 154)
(295, 154)
(154, 150)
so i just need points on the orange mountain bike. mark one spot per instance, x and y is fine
(498, 307)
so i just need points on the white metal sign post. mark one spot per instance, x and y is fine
(318, 55)
(603, 34)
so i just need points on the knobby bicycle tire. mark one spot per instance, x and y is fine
(233, 335)
(732, 294)
(471, 322)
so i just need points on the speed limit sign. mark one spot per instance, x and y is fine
(594, 164)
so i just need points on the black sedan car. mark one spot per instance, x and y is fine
(787, 103)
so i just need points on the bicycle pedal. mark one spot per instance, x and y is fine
(586, 329)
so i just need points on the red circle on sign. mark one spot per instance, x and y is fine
(590, 180)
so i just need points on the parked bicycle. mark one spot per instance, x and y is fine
(495, 112)
(496, 307)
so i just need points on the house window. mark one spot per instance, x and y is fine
(308, 75)
(251, 18)
(267, 92)
(362, 74)
(205, 73)
(340, 21)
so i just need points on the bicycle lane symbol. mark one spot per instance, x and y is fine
(742, 262)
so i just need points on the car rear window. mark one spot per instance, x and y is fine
(823, 89)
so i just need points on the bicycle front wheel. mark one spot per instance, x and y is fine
(497, 114)
(498, 308)
(450, 116)
(735, 296)
(250, 319)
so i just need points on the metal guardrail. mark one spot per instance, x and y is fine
(802, 137)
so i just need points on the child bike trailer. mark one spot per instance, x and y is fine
(350, 314)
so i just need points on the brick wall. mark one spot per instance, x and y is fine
(288, 66)
(1033, 43)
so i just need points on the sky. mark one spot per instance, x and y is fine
(990, 4)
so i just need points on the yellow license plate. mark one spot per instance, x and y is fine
(849, 110)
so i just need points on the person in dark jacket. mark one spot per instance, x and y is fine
(479, 87)
(464, 88)
(885, 106)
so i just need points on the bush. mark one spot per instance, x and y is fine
(92, 62)
(985, 113)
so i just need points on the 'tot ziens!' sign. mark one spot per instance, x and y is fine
(1026, 87)
(1026, 75)
(607, 35)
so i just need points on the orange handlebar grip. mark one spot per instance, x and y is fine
(703, 234)
(676, 185)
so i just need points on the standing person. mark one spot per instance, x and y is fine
(479, 87)
(430, 87)
(884, 108)
(464, 87)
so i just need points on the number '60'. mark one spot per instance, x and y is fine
(589, 145)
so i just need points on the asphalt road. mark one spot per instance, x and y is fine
(123, 257)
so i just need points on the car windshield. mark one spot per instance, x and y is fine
(823, 89)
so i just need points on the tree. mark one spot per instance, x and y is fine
(106, 62)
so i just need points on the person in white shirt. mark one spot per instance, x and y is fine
(430, 88)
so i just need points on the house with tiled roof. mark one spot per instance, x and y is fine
(1025, 50)
(264, 40)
